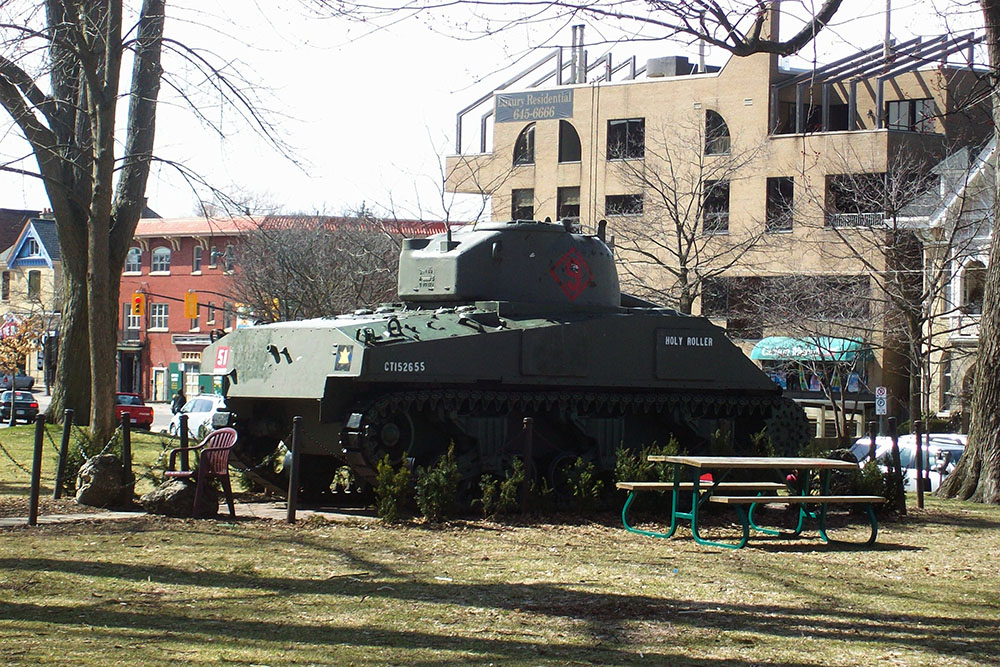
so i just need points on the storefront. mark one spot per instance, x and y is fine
(827, 376)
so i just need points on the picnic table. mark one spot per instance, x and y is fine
(741, 493)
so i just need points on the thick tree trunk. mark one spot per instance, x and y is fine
(977, 476)
(72, 388)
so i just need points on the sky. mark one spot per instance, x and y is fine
(366, 117)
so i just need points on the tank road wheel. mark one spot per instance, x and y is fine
(394, 436)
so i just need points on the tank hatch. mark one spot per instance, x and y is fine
(519, 261)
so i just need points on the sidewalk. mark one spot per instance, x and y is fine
(275, 511)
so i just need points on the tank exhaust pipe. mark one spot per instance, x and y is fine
(602, 230)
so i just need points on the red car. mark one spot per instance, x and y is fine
(140, 414)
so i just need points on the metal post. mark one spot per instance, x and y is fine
(293, 474)
(184, 442)
(918, 432)
(529, 467)
(872, 432)
(63, 450)
(13, 397)
(895, 464)
(36, 472)
(127, 455)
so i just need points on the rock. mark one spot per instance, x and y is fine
(101, 483)
(175, 497)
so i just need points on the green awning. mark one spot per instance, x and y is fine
(820, 348)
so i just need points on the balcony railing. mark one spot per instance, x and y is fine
(876, 219)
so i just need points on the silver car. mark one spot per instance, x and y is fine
(940, 453)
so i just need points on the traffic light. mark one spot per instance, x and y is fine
(191, 305)
(138, 304)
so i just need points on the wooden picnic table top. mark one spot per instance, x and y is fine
(759, 462)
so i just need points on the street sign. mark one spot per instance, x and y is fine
(881, 392)
(880, 404)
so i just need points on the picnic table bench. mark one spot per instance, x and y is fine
(749, 493)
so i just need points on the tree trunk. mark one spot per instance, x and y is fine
(72, 388)
(977, 476)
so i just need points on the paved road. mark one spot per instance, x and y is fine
(161, 412)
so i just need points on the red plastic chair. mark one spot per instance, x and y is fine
(213, 462)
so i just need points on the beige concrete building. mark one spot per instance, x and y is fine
(718, 186)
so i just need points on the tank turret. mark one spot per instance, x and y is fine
(537, 263)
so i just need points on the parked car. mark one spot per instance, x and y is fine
(940, 452)
(25, 407)
(21, 381)
(205, 412)
(140, 415)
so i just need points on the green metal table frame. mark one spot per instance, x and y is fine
(700, 495)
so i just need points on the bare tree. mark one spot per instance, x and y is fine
(61, 84)
(878, 220)
(674, 234)
(833, 318)
(296, 267)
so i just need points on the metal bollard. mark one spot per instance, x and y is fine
(293, 474)
(36, 471)
(895, 463)
(185, 465)
(872, 434)
(918, 433)
(63, 451)
(127, 455)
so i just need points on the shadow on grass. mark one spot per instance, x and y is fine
(607, 614)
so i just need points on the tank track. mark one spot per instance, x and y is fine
(359, 452)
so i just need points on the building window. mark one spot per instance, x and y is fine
(133, 260)
(210, 317)
(910, 115)
(31, 248)
(623, 205)
(524, 147)
(34, 285)
(194, 324)
(855, 200)
(715, 206)
(159, 314)
(522, 204)
(780, 196)
(626, 138)
(161, 260)
(569, 142)
(227, 315)
(568, 203)
(946, 380)
(716, 134)
(5, 286)
(973, 287)
(230, 258)
(132, 322)
(213, 257)
(196, 259)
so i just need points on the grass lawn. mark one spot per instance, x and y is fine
(16, 451)
(152, 590)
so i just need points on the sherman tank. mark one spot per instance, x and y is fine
(495, 322)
